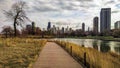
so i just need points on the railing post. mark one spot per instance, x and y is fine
(85, 59)
(71, 50)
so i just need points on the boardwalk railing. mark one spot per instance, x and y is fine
(69, 49)
(91, 58)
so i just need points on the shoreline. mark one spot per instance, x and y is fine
(98, 38)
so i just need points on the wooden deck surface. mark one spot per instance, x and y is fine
(53, 56)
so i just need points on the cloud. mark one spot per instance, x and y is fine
(61, 5)
(117, 5)
(110, 2)
(115, 11)
(85, 0)
(41, 11)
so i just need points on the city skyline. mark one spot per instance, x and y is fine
(66, 12)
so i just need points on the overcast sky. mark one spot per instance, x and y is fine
(64, 12)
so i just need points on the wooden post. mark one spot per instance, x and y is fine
(71, 50)
(85, 59)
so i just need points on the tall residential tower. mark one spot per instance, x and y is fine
(95, 25)
(105, 20)
(83, 27)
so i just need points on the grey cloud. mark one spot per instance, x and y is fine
(44, 9)
(115, 11)
(2, 0)
(109, 2)
(43, 6)
(68, 5)
(58, 5)
(84, 0)
(88, 5)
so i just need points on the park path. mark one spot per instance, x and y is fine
(53, 56)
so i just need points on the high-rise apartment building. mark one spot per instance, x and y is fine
(105, 20)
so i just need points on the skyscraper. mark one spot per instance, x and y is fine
(105, 20)
(117, 25)
(63, 30)
(49, 26)
(88, 29)
(83, 27)
(33, 28)
(54, 30)
(95, 25)
(67, 29)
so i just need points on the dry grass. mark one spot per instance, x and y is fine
(95, 59)
(18, 52)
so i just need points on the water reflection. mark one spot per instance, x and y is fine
(103, 46)
(95, 44)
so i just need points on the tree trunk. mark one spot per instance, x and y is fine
(15, 31)
(15, 22)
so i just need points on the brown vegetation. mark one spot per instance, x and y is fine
(94, 58)
(18, 52)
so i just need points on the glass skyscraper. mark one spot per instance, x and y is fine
(49, 26)
(105, 20)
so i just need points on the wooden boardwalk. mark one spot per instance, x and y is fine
(53, 56)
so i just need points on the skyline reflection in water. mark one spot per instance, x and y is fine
(100, 45)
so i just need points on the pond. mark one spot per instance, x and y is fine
(100, 45)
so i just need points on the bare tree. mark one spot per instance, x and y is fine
(17, 14)
(7, 30)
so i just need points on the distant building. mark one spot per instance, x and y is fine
(83, 27)
(70, 30)
(63, 30)
(54, 30)
(37, 31)
(29, 28)
(33, 28)
(67, 30)
(88, 29)
(95, 25)
(105, 20)
(44, 29)
(117, 25)
(49, 26)
(57, 29)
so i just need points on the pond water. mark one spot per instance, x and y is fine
(100, 45)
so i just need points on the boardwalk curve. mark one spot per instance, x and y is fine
(53, 56)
